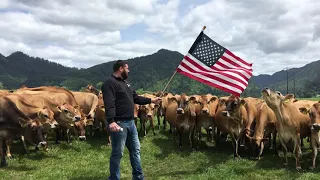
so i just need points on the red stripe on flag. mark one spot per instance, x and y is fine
(215, 69)
(233, 63)
(231, 69)
(208, 83)
(206, 72)
(213, 77)
(237, 58)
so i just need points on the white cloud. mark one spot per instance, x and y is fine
(270, 34)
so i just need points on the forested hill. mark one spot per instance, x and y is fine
(147, 73)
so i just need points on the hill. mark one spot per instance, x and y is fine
(147, 73)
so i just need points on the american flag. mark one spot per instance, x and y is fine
(214, 65)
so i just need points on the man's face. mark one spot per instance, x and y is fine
(124, 72)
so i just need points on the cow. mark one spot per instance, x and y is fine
(232, 118)
(186, 113)
(208, 104)
(88, 103)
(92, 89)
(171, 112)
(146, 113)
(314, 114)
(67, 103)
(292, 124)
(12, 123)
(101, 119)
(265, 126)
(164, 105)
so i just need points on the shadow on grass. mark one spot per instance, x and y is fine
(18, 168)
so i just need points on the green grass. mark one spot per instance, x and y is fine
(160, 157)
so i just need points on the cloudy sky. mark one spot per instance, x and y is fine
(270, 34)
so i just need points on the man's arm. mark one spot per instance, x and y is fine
(108, 91)
(140, 99)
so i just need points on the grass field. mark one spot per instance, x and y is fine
(160, 157)
(311, 99)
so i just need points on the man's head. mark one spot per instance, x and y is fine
(121, 68)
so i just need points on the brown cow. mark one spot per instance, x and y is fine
(12, 121)
(88, 102)
(92, 89)
(233, 121)
(187, 111)
(208, 104)
(101, 120)
(146, 113)
(61, 96)
(292, 125)
(164, 105)
(171, 112)
(314, 114)
(265, 126)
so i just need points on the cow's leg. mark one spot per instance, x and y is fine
(285, 150)
(235, 146)
(57, 132)
(164, 120)
(144, 128)
(297, 152)
(158, 117)
(2, 153)
(314, 153)
(301, 142)
(152, 126)
(191, 134)
(8, 144)
(24, 145)
(68, 135)
(180, 131)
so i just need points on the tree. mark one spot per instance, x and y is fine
(1, 85)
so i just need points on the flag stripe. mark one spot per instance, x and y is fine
(216, 84)
(195, 67)
(239, 59)
(222, 66)
(234, 62)
(241, 73)
(230, 63)
(224, 80)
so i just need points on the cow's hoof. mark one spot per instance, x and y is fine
(312, 167)
(180, 148)
(298, 168)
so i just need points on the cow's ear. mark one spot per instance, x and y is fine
(242, 102)
(192, 98)
(214, 98)
(59, 108)
(222, 101)
(304, 110)
(76, 106)
(265, 140)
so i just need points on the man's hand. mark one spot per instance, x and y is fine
(156, 100)
(114, 127)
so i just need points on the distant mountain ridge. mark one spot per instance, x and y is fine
(147, 73)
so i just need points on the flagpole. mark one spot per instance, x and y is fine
(203, 28)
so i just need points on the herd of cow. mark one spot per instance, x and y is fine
(31, 114)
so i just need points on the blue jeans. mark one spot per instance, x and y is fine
(128, 137)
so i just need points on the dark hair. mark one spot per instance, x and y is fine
(118, 64)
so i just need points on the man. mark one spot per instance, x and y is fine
(119, 99)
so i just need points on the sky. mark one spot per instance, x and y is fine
(272, 34)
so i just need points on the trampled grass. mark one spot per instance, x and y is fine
(160, 157)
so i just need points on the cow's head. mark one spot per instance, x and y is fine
(274, 99)
(46, 117)
(34, 133)
(233, 105)
(92, 89)
(206, 104)
(257, 145)
(182, 103)
(314, 114)
(69, 114)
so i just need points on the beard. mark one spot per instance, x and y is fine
(124, 75)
